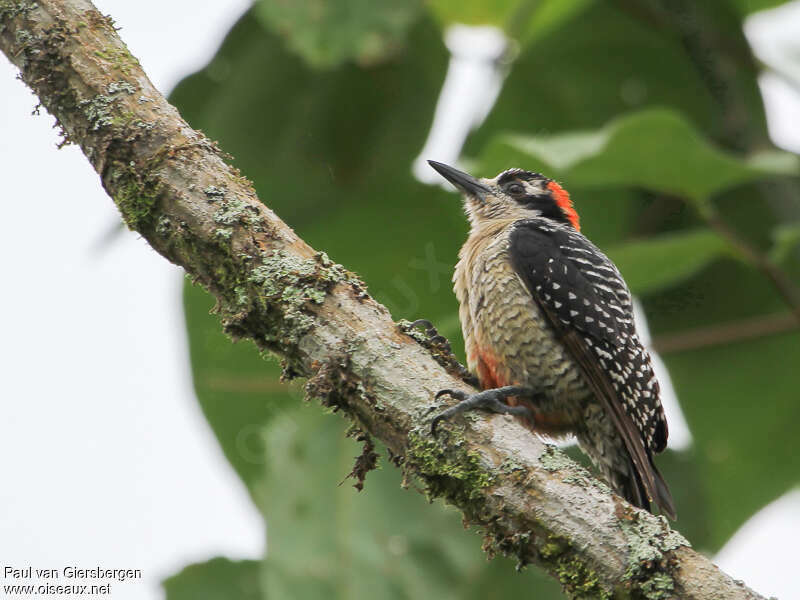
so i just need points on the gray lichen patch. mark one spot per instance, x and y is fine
(647, 541)
(233, 210)
(291, 276)
(576, 480)
(25, 38)
(116, 87)
(405, 326)
(511, 465)
(214, 193)
(236, 211)
(281, 274)
(163, 225)
(335, 273)
(288, 287)
(658, 586)
(552, 459)
(240, 293)
(97, 111)
(223, 234)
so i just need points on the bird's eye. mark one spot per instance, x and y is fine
(515, 189)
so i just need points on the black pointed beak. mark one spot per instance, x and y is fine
(463, 181)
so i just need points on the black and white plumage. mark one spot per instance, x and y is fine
(588, 304)
(544, 311)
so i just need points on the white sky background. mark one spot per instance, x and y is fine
(106, 457)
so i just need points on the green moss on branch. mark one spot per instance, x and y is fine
(577, 580)
(136, 197)
(448, 470)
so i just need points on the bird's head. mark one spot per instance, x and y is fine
(513, 194)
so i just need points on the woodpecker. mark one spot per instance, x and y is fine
(549, 331)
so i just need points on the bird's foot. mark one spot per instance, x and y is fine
(491, 400)
(434, 337)
(443, 352)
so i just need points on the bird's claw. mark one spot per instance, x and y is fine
(424, 322)
(457, 394)
(491, 400)
(443, 352)
(434, 337)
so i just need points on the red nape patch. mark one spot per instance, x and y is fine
(564, 203)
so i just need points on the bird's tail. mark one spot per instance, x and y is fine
(617, 467)
(663, 498)
(630, 486)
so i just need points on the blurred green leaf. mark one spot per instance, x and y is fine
(522, 20)
(747, 7)
(785, 238)
(327, 34)
(216, 579)
(328, 540)
(741, 402)
(609, 59)
(476, 12)
(546, 16)
(659, 262)
(656, 149)
(776, 162)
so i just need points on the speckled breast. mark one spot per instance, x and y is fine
(508, 340)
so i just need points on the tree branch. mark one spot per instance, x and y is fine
(782, 283)
(725, 333)
(173, 186)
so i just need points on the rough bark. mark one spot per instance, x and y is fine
(173, 186)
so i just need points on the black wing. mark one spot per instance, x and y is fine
(585, 299)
